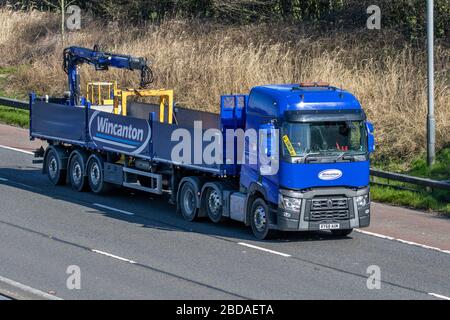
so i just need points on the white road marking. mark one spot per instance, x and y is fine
(264, 249)
(113, 256)
(375, 234)
(113, 209)
(15, 149)
(28, 289)
(439, 296)
(424, 246)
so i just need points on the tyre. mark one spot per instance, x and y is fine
(259, 220)
(55, 173)
(77, 172)
(341, 233)
(95, 176)
(188, 201)
(213, 205)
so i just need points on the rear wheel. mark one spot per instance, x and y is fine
(76, 173)
(54, 171)
(341, 233)
(96, 177)
(259, 220)
(188, 202)
(213, 205)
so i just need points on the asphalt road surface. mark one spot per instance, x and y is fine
(131, 245)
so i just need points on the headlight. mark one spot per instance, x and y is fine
(291, 204)
(362, 201)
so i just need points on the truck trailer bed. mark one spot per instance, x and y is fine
(139, 134)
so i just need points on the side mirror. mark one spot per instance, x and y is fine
(370, 137)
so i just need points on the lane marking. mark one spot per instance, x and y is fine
(144, 266)
(440, 296)
(264, 249)
(382, 236)
(113, 256)
(28, 289)
(15, 149)
(113, 209)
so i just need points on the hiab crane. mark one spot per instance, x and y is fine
(73, 57)
(302, 165)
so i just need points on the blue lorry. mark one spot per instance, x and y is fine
(317, 141)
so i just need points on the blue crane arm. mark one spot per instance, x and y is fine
(75, 56)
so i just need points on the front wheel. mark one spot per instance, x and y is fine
(259, 220)
(341, 233)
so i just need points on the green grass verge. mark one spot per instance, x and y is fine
(8, 69)
(411, 199)
(9, 115)
(14, 116)
(437, 200)
(440, 170)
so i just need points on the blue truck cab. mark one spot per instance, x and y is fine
(322, 181)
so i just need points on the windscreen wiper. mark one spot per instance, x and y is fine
(306, 156)
(336, 159)
(339, 157)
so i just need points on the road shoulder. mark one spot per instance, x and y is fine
(428, 229)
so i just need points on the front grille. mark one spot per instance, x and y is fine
(329, 215)
(329, 209)
(329, 203)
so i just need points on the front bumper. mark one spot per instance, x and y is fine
(309, 218)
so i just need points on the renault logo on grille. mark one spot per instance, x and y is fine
(329, 203)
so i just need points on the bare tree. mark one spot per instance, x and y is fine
(60, 6)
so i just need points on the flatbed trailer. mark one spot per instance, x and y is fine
(133, 151)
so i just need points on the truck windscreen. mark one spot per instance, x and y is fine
(324, 139)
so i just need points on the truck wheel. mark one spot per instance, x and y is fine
(341, 233)
(213, 205)
(259, 220)
(54, 171)
(76, 173)
(95, 176)
(188, 202)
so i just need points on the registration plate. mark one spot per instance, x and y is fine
(329, 226)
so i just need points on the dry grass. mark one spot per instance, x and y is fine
(203, 60)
